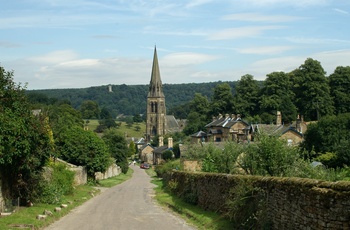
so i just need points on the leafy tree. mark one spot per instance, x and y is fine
(222, 100)
(132, 149)
(24, 141)
(137, 118)
(331, 134)
(198, 117)
(277, 95)
(118, 147)
(167, 155)
(246, 98)
(269, 156)
(312, 91)
(90, 110)
(105, 113)
(84, 148)
(339, 83)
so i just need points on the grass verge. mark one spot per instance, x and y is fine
(194, 215)
(25, 218)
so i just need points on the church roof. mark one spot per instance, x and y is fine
(155, 86)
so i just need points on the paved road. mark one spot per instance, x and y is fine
(125, 206)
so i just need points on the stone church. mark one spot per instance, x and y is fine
(157, 122)
(156, 110)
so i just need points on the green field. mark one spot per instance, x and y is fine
(130, 131)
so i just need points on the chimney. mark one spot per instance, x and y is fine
(233, 116)
(279, 118)
(160, 144)
(170, 142)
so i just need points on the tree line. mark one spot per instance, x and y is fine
(31, 139)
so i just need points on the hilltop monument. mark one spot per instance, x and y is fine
(156, 110)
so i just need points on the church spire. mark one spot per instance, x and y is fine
(155, 86)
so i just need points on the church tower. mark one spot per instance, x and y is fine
(156, 111)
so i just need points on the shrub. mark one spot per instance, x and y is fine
(59, 182)
(247, 206)
(161, 169)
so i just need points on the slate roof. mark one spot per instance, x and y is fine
(199, 134)
(160, 149)
(226, 122)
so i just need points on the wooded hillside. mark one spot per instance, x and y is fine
(130, 99)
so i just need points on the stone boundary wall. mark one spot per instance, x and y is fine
(292, 203)
(80, 172)
(113, 170)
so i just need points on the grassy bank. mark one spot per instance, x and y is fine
(136, 130)
(25, 217)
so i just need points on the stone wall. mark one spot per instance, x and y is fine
(113, 170)
(292, 203)
(80, 172)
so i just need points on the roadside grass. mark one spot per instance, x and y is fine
(25, 217)
(130, 131)
(193, 214)
(110, 182)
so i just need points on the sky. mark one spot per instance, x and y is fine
(53, 44)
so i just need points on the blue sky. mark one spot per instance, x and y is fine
(83, 43)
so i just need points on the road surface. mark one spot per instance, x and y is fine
(126, 206)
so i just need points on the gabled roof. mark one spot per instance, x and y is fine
(292, 129)
(199, 134)
(160, 149)
(277, 130)
(146, 145)
(225, 122)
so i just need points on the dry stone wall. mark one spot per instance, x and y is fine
(292, 203)
(113, 170)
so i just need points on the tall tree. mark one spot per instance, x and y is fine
(198, 116)
(90, 110)
(339, 83)
(312, 91)
(222, 99)
(24, 141)
(246, 98)
(118, 147)
(277, 95)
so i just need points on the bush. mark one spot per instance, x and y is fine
(248, 206)
(59, 183)
(167, 167)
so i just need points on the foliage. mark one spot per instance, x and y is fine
(167, 166)
(312, 90)
(247, 96)
(132, 149)
(117, 147)
(339, 83)
(330, 134)
(221, 102)
(268, 156)
(59, 183)
(247, 206)
(277, 95)
(25, 143)
(167, 155)
(85, 148)
(90, 110)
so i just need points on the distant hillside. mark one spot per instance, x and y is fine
(131, 99)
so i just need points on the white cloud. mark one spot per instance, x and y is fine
(186, 58)
(55, 57)
(194, 3)
(269, 50)
(298, 3)
(255, 17)
(241, 32)
(341, 11)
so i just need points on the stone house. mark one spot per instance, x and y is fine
(227, 128)
(146, 153)
(157, 153)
